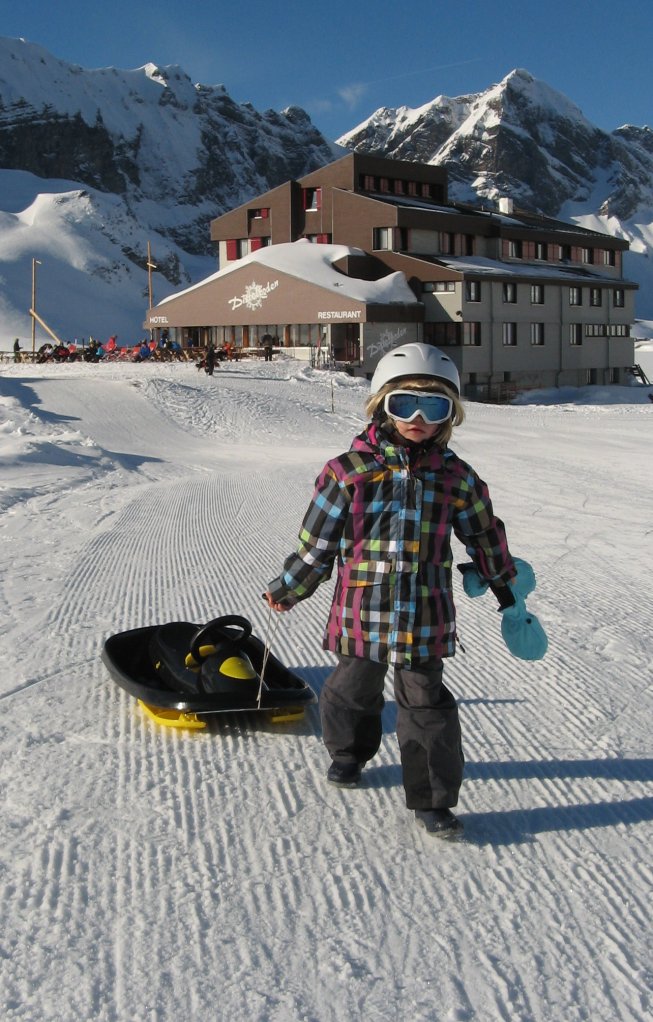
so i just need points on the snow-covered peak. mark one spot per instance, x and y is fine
(158, 156)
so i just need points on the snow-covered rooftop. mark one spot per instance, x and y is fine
(496, 268)
(314, 264)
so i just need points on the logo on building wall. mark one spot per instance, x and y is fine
(387, 340)
(254, 295)
(158, 319)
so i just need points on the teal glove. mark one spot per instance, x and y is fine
(524, 582)
(522, 632)
(473, 584)
(522, 585)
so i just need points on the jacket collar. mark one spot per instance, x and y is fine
(376, 441)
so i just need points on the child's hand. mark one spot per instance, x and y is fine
(278, 606)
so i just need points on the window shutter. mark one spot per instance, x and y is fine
(232, 249)
(255, 244)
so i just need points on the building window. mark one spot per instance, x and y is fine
(312, 198)
(382, 238)
(565, 253)
(237, 248)
(510, 293)
(541, 250)
(596, 297)
(537, 333)
(619, 298)
(473, 290)
(445, 335)
(609, 257)
(596, 330)
(619, 330)
(575, 333)
(575, 296)
(537, 294)
(587, 255)
(262, 213)
(472, 334)
(447, 243)
(439, 285)
(390, 239)
(509, 331)
(515, 249)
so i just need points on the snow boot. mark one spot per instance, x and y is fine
(440, 822)
(344, 775)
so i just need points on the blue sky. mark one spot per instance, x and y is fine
(342, 59)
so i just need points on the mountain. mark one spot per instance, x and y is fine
(96, 163)
(523, 139)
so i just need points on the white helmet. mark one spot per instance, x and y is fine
(415, 360)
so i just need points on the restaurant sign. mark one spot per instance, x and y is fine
(347, 314)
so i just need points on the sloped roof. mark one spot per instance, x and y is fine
(314, 264)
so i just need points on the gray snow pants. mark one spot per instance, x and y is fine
(428, 728)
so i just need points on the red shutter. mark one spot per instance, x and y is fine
(265, 212)
(232, 249)
(255, 244)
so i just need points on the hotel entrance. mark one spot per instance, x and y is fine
(346, 342)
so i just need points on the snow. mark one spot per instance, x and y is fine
(85, 284)
(314, 264)
(494, 267)
(159, 875)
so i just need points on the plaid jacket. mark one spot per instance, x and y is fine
(388, 526)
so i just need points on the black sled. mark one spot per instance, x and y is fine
(180, 670)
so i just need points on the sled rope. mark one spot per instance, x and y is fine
(269, 635)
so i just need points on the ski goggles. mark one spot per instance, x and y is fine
(406, 405)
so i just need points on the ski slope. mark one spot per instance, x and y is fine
(158, 875)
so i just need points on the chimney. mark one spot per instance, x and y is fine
(506, 205)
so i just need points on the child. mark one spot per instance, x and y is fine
(385, 511)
